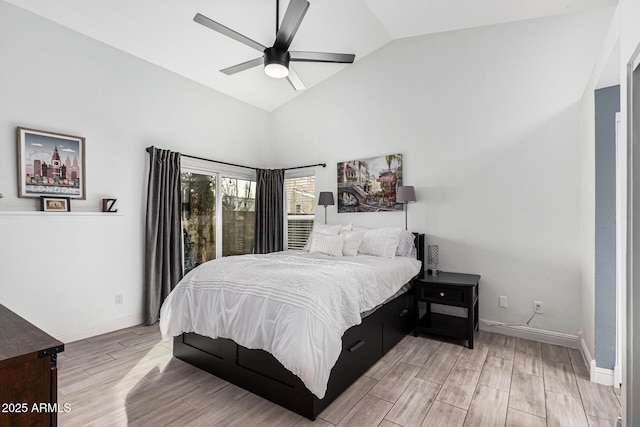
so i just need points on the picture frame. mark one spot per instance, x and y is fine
(55, 204)
(50, 164)
(369, 185)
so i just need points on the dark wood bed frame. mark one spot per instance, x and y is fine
(259, 372)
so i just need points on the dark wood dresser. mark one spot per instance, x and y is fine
(28, 373)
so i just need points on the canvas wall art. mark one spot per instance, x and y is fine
(50, 164)
(369, 185)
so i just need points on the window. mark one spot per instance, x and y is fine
(238, 216)
(218, 212)
(300, 200)
(198, 218)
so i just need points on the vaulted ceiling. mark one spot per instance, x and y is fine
(163, 32)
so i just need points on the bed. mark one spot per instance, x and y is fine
(291, 372)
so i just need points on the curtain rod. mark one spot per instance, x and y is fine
(324, 165)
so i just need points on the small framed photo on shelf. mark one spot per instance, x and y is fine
(55, 204)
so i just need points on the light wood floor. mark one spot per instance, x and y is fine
(129, 377)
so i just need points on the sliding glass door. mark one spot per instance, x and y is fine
(238, 215)
(198, 218)
(218, 213)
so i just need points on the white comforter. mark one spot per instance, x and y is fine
(294, 305)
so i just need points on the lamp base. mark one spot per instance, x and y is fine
(406, 210)
(432, 271)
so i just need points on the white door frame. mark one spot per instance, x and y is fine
(621, 247)
(631, 355)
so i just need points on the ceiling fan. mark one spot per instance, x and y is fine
(277, 57)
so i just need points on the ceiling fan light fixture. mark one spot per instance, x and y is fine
(276, 59)
(277, 71)
(276, 62)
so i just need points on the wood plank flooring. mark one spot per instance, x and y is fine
(129, 377)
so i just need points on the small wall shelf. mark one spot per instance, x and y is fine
(51, 214)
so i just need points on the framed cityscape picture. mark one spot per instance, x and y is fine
(369, 185)
(50, 164)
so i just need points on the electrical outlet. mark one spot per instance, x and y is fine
(119, 299)
(538, 306)
(504, 302)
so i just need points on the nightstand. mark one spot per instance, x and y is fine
(448, 289)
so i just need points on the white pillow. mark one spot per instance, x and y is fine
(352, 242)
(327, 244)
(319, 228)
(346, 227)
(406, 245)
(327, 229)
(381, 242)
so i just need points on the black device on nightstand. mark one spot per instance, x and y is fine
(450, 289)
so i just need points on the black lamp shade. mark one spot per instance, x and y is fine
(326, 199)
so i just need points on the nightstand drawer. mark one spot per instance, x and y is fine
(442, 294)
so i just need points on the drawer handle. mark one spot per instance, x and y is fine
(403, 312)
(356, 346)
(441, 294)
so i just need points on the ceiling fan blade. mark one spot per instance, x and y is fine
(343, 58)
(294, 79)
(215, 26)
(244, 66)
(290, 23)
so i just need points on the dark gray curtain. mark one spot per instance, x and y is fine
(163, 241)
(269, 229)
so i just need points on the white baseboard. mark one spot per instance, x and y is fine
(601, 375)
(100, 329)
(597, 375)
(526, 332)
(586, 355)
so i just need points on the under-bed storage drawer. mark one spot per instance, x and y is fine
(213, 347)
(361, 348)
(366, 342)
(263, 363)
(397, 321)
(365, 339)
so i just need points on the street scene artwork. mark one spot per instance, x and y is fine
(50, 164)
(369, 185)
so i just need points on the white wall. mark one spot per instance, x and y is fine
(610, 42)
(488, 121)
(62, 272)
